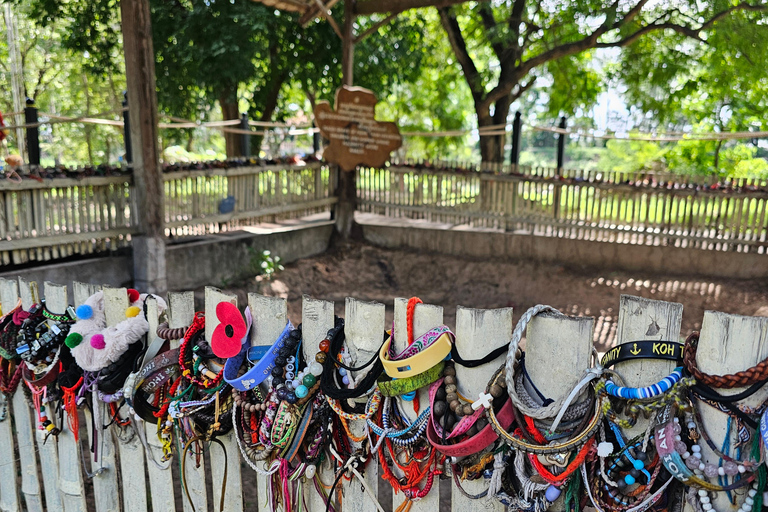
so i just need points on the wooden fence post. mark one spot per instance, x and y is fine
(729, 344)
(549, 338)
(9, 490)
(646, 319)
(160, 480)
(270, 316)
(316, 319)
(181, 313)
(494, 328)
(233, 499)
(25, 431)
(132, 465)
(70, 480)
(105, 488)
(364, 330)
(425, 317)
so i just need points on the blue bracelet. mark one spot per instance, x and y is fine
(260, 371)
(651, 391)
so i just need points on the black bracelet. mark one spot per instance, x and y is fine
(474, 363)
(643, 349)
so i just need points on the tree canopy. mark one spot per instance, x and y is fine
(450, 67)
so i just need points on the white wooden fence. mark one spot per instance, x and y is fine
(39, 476)
(57, 218)
(626, 208)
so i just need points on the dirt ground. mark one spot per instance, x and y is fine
(371, 273)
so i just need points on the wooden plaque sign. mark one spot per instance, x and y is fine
(356, 138)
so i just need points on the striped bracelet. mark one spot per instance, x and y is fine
(651, 391)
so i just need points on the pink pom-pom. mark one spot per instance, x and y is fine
(97, 341)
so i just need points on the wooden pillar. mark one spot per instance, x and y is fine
(149, 246)
(347, 182)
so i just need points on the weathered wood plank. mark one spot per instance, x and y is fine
(728, 344)
(26, 427)
(646, 319)
(132, 463)
(270, 315)
(364, 328)
(69, 481)
(161, 483)
(233, 498)
(9, 489)
(316, 319)
(494, 328)
(181, 313)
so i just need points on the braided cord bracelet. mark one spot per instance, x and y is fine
(741, 379)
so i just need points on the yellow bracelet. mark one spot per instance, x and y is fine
(418, 363)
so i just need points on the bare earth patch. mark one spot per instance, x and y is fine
(371, 273)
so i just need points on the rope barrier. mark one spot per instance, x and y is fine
(305, 129)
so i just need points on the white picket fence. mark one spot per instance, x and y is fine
(38, 476)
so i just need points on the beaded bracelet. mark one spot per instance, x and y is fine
(185, 355)
(651, 391)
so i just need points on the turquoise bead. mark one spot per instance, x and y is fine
(301, 391)
(629, 479)
(638, 464)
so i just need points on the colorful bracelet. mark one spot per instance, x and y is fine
(651, 391)
(260, 371)
(424, 353)
(398, 387)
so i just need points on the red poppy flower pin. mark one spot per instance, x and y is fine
(228, 336)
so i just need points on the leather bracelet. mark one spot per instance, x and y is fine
(152, 375)
(261, 370)
(46, 379)
(643, 349)
(424, 353)
(741, 379)
(397, 387)
(479, 441)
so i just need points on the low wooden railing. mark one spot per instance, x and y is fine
(194, 199)
(636, 212)
(59, 218)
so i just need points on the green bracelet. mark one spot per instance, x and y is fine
(399, 387)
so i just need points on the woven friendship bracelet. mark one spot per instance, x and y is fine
(397, 387)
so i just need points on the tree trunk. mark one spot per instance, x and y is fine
(274, 86)
(230, 110)
(492, 146)
(717, 156)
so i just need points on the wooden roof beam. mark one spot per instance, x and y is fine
(363, 7)
(326, 13)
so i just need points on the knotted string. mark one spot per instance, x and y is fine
(69, 401)
(410, 309)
